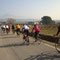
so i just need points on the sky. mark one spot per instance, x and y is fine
(28, 9)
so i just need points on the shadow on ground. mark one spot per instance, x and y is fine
(43, 57)
(12, 45)
(19, 44)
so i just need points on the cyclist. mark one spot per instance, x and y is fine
(37, 30)
(18, 29)
(58, 31)
(3, 28)
(13, 29)
(7, 28)
(25, 30)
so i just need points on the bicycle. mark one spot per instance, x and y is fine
(3, 29)
(57, 45)
(26, 38)
(36, 39)
(13, 31)
(7, 30)
(18, 32)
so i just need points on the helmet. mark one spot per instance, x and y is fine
(35, 24)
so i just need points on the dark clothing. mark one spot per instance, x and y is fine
(7, 29)
(26, 32)
(36, 34)
(18, 30)
(13, 30)
(3, 29)
(58, 30)
(13, 27)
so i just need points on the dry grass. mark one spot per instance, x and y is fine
(47, 29)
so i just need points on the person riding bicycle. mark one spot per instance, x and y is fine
(3, 28)
(37, 30)
(57, 31)
(25, 30)
(57, 40)
(13, 28)
(7, 28)
(18, 29)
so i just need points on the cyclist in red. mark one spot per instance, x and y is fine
(37, 30)
(9, 27)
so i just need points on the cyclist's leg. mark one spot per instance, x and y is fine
(27, 35)
(57, 45)
(13, 31)
(24, 34)
(23, 37)
(3, 30)
(36, 36)
(17, 31)
(7, 30)
(58, 32)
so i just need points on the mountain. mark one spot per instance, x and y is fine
(20, 20)
(57, 21)
(25, 20)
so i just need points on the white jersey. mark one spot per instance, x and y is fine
(7, 26)
(25, 27)
(3, 26)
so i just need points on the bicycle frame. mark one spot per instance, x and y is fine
(57, 45)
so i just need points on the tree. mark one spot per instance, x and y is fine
(46, 20)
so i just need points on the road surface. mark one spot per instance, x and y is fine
(12, 48)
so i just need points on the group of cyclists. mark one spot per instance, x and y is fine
(25, 30)
(17, 28)
(5, 28)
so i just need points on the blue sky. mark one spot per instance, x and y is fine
(29, 8)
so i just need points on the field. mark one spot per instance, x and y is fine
(47, 29)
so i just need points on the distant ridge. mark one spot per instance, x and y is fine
(21, 20)
(26, 20)
(57, 21)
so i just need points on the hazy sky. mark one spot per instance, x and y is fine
(29, 8)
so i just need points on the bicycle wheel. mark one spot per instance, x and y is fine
(18, 33)
(7, 31)
(57, 45)
(39, 41)
(3, 30)
(27, 39)
(13, 31)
